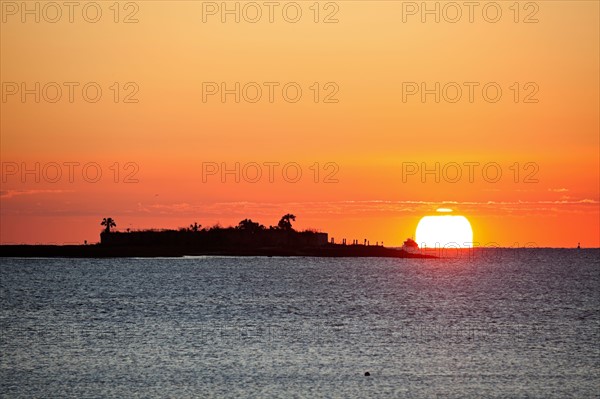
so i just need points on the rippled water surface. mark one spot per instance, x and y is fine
(524, 323)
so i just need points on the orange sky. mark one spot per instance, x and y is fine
(367, 137)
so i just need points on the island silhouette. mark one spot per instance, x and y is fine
(248, 238)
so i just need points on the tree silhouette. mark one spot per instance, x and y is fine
(195, 227)
(249, 225)
(285, 222)
(108, 222)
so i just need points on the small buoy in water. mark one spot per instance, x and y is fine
(367, 374)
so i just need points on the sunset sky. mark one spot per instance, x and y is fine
(366, 133)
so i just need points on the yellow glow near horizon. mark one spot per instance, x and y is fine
(444, 231)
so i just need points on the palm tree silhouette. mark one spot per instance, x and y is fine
(195, 226)
(108, 222)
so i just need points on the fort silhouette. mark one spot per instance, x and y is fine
(248, 238)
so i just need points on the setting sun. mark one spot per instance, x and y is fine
(444, 231)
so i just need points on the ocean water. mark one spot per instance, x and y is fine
(520, 323)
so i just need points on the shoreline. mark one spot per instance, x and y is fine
(103, 251)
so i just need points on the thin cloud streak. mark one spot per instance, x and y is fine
(8, 194)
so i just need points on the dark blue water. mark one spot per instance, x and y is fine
(523, 323)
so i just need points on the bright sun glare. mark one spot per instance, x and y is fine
(444, 231)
